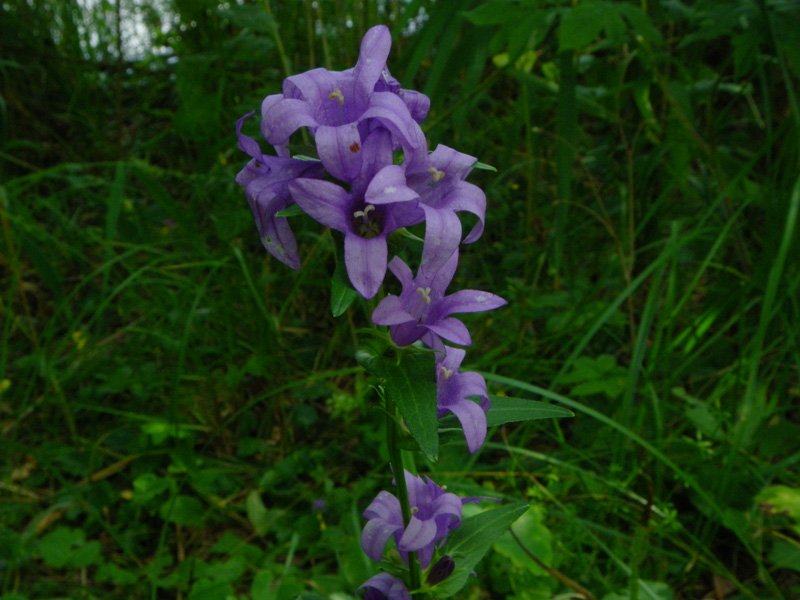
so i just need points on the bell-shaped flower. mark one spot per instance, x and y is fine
(340, 108)
(378, 203)
(266, 182)
(434, 514)
(384, 587)
(422, 311)
(443, 193)
(453, 391)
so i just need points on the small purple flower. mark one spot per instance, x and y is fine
(341, 108)
(384, 587)
(378, 203)
(266, 182)
(434, 513)
(318, 505)
(422, 311)
(443, 193)
(453, 390)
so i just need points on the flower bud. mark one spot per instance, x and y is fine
(441, 570)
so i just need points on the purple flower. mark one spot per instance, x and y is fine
(453, 390)
(378, 203)
(422, 311)
(434, 513)
(341, 108)
(266, 182)
(384, 587)
(443, 193)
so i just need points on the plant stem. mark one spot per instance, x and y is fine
(396, 459)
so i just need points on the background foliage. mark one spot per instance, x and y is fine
(172, 400)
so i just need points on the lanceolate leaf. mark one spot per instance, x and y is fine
(510, 410)
(472, 540)
(410, 383)
(342, 293)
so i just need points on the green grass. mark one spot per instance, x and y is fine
(172, 400)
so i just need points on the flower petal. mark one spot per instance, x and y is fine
(388, 186)
(375, 46)
(452, 330)
(390, 311)
(419, 533)
(442, 237)
(275, 232)
(323, 201)
(339, 149)
(365, 260)
(375, 535)
(473, 422)
(469, 301)
(283, 118)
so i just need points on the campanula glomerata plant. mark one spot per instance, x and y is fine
(373, 176)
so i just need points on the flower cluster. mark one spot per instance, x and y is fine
(359, 119)
(434, 514)
(374, 176)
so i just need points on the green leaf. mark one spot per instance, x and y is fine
(409, 380)
(58, 546)
(257, 513)
(582, 24)
(183, 510)
(530, 529)
(510, 410)
(293, 210)
(484, 167)
(249, 17)
(342, 293)
(472, 540)
(260, 589)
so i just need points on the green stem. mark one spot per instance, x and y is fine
(396, 459)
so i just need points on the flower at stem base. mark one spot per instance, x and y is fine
(384, 587)
(434, 514)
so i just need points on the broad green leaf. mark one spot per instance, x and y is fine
(509, 410)
(342, 293)
(257, 513)
(583, 23)
(468, 544)
(536, 537)
(183, 510)
(409, 380)
(260, 589)
(57, 547)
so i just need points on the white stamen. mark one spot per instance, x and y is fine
(365, 212)
(436, 174)
(446, 372)
(426, 294)
(337, 95)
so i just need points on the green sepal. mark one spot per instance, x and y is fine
(293, 210)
